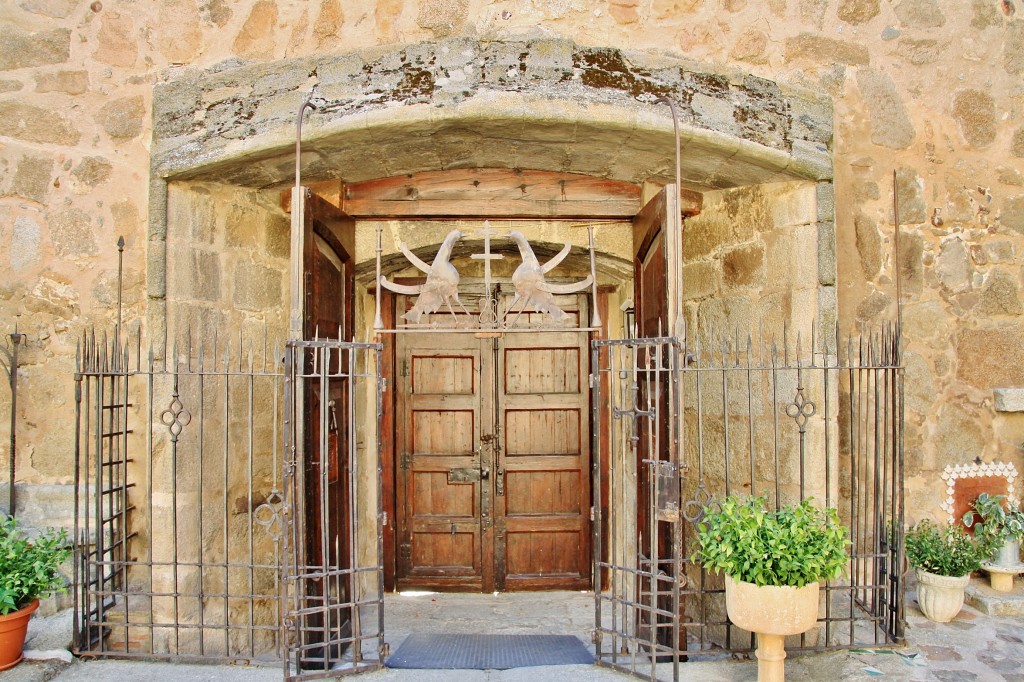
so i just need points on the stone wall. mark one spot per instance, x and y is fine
(928, 88)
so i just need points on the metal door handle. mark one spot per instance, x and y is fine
(485, 473)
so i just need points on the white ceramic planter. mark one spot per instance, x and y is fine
(773, 613)
(940, 596)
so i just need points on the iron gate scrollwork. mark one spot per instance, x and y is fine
(194, 485)
(780, 420)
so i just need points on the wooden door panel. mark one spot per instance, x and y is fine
(441, 530)
(542, 431)
(544, 514)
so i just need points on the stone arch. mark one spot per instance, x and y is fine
(461, 103)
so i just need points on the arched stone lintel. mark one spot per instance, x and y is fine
(545, 104)
(500, 130)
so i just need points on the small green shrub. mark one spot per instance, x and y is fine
(793, 546)
(946, 551)
(29, 569)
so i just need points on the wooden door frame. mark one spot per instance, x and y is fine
(389, 450)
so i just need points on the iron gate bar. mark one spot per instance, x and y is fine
(322, 594)
(183, 598)
(725, 386)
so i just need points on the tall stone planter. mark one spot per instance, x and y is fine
(940, 596)
(772, 613)
(13, 627)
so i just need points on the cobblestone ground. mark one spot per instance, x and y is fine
(974, 646)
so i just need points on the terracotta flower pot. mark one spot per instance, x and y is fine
(13, 627)
(772, 613)
(940, 596)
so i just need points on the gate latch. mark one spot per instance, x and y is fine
(463, 475)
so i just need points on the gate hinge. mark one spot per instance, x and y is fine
(405, 368)
(593, 380)
(406, 460)
(591, 513)
(405, 551)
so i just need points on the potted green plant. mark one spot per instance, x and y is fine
(1000, 524)
(29, 570)
(944, 559)
(774, 561)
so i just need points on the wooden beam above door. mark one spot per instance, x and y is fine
(496, 193)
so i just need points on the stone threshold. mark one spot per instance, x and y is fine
(982, 597)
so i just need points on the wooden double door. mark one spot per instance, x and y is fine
(493, 478)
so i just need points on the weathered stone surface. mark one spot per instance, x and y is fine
(1017, 145)
(744, 266)
(447, 17)
(278, 236)
(958, 436)
(869, 245)
(734, 5)
(873, 305)
(701, 279)
(71, 233)
(180, 45)
(56, 9)
(10, 86)
(975, 113)
(257, 287)
(126, 216)
(991, 357)
(115, 40)
(243, 226)
(122, 118)
(25, 238)
(19, 48)
(1000, 295)
(819, 49)
(256, 39)
(216, 12)
(813, 12)
(92, 171)
(952, 266)
(1012, 214)
(998, 252)
(751, 46)
(328, 22)
(37, 124)
(202, 278)
(919, 384)
(623, 11)
(920, 13)
(890, 124)
(1008, 399)
(920, 52)
(865, 190)
(68, 82)
(984, 14)
(858, 11)
(1013, 48)
(31, 178)
(909, 190)
(664, 9)
(827, 270)
(911, 262)
(1010, 176)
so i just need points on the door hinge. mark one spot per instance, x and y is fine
(405, 551)
(405, 460)
(405, 368)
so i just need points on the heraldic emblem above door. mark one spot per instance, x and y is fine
(439, 293)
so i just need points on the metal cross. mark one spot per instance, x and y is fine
(488, 313)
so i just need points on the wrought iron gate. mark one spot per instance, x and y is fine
(196, 478)
(687, 426)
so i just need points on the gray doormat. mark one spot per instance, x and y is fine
(488, 652)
